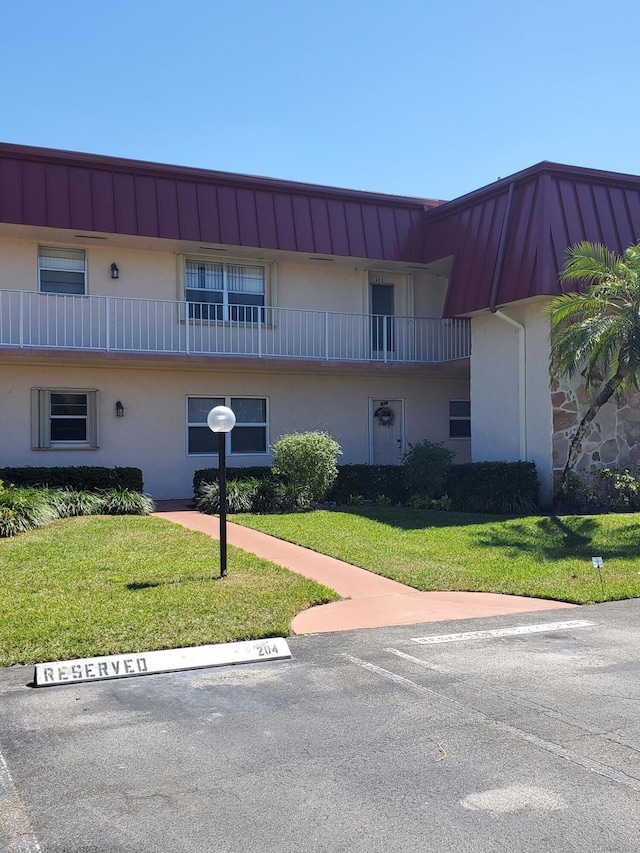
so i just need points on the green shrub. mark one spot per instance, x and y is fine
(604, 490)
(253, 496)
(618, 489)
(25, 509)
(580, 496)
(422, 501)
(210, 475)
(508, 488)
(125, 502)
(207, 499)
(425, 466)
(69, 502)
(241, 496)
(288, 497)
(274, 495)
(266, 495)
(307, 461)
(357, 500)
(88, 478)
(362, 484)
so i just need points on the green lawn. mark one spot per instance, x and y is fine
(106, 584)
(540, 556)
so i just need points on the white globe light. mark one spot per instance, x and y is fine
(221, 419)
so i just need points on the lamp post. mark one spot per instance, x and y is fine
(222, 420)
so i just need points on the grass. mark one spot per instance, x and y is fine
(102, 585)
(540, 556)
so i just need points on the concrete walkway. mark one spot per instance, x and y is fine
(372, 601)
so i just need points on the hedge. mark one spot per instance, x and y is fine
(491, 487)
(494, 487)
(370, 482)
(367, 481)
(89, 478)
(251, 472)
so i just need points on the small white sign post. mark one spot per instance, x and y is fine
(598, 565)
(164, 660)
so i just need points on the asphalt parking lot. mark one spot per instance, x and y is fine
(363, 741)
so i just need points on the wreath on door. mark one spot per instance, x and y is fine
(384, 415)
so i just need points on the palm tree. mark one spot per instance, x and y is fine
(598, 326)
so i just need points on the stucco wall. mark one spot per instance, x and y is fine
(152, 435)
(143, 274)
(495, 382)
(149, 273)
(494, 390)
(320, 285)
(429, 294)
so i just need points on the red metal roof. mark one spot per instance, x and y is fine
(509, 239)
(87, 192)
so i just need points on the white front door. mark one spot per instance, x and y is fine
(386, 419)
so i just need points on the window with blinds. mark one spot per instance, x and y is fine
(64, 418)
(62, 270)
(222, 291)
(249, 435)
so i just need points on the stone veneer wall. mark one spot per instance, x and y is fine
(613, 437)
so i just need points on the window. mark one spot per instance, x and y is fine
(459, 419)
(62, 270)
(221, 291)
(248, 436)
(64, 419)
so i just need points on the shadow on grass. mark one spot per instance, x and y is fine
(548, 537)
(136, 586)
(555, 538)
(405, 518)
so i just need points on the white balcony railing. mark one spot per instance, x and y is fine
(114, 324)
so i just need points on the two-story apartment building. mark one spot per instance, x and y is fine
(136, 296)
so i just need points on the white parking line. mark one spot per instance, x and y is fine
(531, 705)
(502, 632)
(555, 748)
(16, 832)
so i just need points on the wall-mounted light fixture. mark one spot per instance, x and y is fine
(119, 409)
(115, 272)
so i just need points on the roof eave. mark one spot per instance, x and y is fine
(542, 168)
(101, 161)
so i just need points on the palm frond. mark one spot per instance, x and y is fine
(590, 262)
(596, 326)
(630, 358)
(592, 341)
(577, 308)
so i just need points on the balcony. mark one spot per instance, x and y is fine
(108, 324)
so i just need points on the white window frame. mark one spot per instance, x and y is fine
(227, 401)
(43, 248)
(41, 418)
(457, 418)
(226, 305)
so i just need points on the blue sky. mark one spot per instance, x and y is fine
(430, 98)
